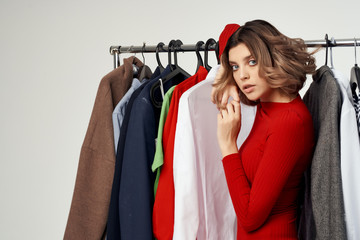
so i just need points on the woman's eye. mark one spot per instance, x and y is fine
(235, 67)
(252, 62)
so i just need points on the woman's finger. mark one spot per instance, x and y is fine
(213, 96)
(234, 93)
(236, 105)
(224, 99)
(230, 108)
(224, 112)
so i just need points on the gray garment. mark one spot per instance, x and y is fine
(323, 209)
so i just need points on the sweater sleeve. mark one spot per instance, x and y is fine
(283, 147)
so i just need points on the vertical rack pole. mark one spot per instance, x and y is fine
(115, 52)
(116, 59)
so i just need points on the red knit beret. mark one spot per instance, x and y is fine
(225, 35)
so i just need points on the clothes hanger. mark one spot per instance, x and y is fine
(176, 68)
(199, 58)
(355, 76)
(177, 47)
(207, 44)
(142, 52)
(171, 48)
(135, 68)
(118, 57)
(357, 69)
(217, 52)
(176, 75)
(159, 84)
(160, 45)
(355, 44)
(327, 46)
(145, 72)
(332, 43)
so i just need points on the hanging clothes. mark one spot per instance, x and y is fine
(119, 111)
(323, 207)
(203, 208)
(355, 89)
(113, 222)
(163, 215)
(136, 195)
(159, 153)
(357, 110)
(90, 203)
(349, 157)
(119, 194)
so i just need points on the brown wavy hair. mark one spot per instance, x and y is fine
(283, 61)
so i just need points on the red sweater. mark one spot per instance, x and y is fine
(264, 178)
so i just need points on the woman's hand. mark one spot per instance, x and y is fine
(221, 98)
(228, 128)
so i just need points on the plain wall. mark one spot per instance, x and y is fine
(53, 55)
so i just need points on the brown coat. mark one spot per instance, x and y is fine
(91, 199)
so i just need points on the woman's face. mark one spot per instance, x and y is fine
(246, 74)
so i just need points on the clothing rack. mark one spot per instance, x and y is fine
(117, 50)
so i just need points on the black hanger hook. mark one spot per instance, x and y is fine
(197, 49)
(217, 52)
(170, 48)
(117, 58)
(355, 44)
(160, 45)
(178, 44)
(142, 52)
(327, 46)
(209, 42)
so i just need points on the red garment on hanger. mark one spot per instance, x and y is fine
(163, 213)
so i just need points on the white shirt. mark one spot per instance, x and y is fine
(350, 159)
(203, 207)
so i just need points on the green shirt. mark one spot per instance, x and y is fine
(159, 153)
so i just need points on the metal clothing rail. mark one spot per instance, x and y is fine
(117, 50)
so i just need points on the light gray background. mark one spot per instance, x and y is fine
(53, 55)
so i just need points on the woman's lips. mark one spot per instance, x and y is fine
(248, 88)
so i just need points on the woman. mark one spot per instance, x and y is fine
(264, 176)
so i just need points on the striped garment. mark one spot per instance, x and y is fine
(356, 99)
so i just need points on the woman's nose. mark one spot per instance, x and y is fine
(243, 74)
